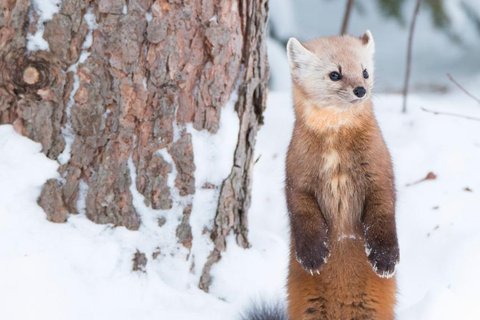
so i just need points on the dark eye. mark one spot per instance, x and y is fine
(365, 74)
(335, 76)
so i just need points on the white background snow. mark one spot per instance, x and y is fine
(81, 270)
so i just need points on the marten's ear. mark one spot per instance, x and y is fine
(367, 40)
(299, 57)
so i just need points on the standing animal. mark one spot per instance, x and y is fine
(339, 187)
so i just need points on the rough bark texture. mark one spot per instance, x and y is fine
(139, 261)
(235, 192)
(121, 93)
(52, 202)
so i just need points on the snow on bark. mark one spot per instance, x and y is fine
(234, 200)
(44, 10)
(120, 87)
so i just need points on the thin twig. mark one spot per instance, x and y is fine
(430, 176)
(346, 17)
(450, 114)
(462, 88)
(409, 55)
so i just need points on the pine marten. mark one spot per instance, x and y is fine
(339, 187)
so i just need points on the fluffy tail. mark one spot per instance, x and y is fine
(265, 311)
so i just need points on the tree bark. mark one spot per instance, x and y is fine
(118, 85)
(235, 193)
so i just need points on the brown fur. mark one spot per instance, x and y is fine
(340, 195)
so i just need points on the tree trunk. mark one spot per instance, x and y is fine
(113, 90)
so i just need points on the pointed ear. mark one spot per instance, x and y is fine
(367, 40)
(299, 57)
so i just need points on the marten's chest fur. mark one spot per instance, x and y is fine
(333, 164)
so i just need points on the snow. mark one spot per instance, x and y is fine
(81, 270)
(213, 160)
(438, 220)
(280, 79)
(45, 9)
(67, 131)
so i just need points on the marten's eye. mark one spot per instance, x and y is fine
(335, 76)
(365, 74)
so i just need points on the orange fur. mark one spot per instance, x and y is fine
(345, 288)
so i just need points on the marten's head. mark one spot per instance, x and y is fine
(333, 71)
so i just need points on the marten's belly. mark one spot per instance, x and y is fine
(345, 288)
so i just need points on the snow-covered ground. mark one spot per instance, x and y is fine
(80, 270)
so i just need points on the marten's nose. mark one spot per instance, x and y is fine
(359, 91)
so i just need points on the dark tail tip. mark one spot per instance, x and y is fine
(264, 311)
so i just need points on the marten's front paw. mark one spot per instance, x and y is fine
(383, 259)
(312, 254)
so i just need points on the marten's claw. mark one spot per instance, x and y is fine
(383, 260)
(312, 257)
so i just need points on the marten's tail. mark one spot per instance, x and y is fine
(265, 311)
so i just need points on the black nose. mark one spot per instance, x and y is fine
(359, 91)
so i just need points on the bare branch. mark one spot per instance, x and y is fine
(450, 77)
(409, 55)
(450, 114)
(346, 17)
